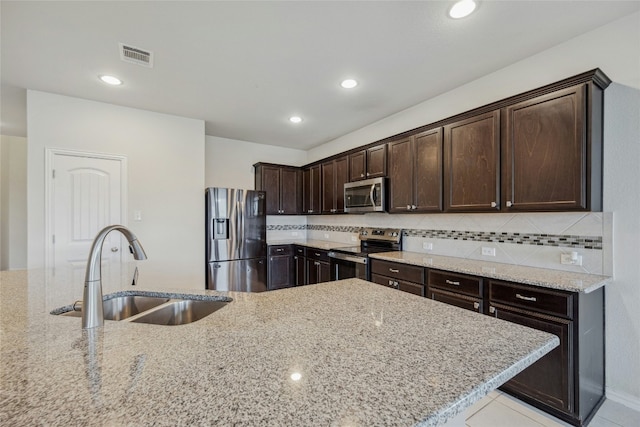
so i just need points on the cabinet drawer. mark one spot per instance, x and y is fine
(468, 303)
(530, 298)
(412, 288)
(457, 283)
(280, 250)
(409, 273)
(318, 254)
(298, 250)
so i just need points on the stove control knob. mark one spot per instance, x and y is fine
(364, 233)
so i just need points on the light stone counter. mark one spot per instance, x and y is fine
(365, 355)
(555, 279)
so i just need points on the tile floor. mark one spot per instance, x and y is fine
(498, 409)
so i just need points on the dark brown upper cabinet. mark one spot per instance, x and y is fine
(283, 187)
(544, 149)
(368, 163)
(415, 173)
(311, 190)
(335, 174)
(472, 164)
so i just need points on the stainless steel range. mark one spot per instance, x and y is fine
(353, 261)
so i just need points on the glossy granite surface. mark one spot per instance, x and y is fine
(366, 355)
(554, 279)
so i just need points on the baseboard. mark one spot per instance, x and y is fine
(625, 399)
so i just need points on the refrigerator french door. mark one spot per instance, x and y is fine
(236, 245)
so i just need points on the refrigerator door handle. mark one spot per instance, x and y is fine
(240, 228)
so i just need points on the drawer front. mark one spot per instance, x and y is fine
(318, 254)
(409, 273)
(531, 298)
(468, 303)
(453, 282)
(280, 250)
(298, 250)
(412, 288)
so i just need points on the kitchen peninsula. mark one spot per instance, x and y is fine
(339, 353)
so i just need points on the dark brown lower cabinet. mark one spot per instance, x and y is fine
(461, 290)
(407, 278)
(568, 382)
(281, 267)
(300, 263)
(318, 268)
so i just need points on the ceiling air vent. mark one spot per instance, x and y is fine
(135, 55)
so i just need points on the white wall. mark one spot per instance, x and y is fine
(229, 162)
(165, 156)
(614, 48)
(622, 196)
(13, 207)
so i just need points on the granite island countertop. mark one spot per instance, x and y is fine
(543, 277)
(363, 354)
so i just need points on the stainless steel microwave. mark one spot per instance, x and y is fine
(365, 196)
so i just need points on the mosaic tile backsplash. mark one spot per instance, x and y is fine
(533, 239)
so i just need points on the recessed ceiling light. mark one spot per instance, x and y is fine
(349, 84)
(110, 80)
(295, 119)
(462, 9)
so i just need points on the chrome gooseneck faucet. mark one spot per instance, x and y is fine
(92, 314)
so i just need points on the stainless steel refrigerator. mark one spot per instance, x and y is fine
(236, 243)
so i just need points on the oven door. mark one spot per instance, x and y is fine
(348, 267)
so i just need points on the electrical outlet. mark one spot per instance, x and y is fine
(427, 246)
(489, 251)
(326, 235)
(137, 215)
(354, 239)
(294, 233)
(572, 258)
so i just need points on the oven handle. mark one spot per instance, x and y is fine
(346, 257)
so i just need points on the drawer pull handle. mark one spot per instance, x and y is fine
(279, 250)
(492, 310)
(393, 270)
(522, 297)
(451, 282)
(317, 254)
(476, 305)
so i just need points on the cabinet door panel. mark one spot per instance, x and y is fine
(400, 175)
(280, 272)
(550, 379)
(341, 166)
(300, 276)
(472, 163)
(328, 187)
(289, 191)
(428, 171)
(545, 152)
(377, 161)
(358, 166)
(271, 184)
(457, 300)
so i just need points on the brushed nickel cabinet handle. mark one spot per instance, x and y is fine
(451, 282)
(393, 270)
(509, 203)
(492, 310)
(525, 298)
(494, 204)
(476, 305)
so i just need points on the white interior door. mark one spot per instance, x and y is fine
(86, 196)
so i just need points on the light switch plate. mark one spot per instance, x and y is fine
(427, 246)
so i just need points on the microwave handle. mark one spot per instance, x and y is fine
(372, 195)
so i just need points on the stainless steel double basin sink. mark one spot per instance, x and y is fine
(156, 310)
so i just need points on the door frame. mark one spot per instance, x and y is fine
(50, 154)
